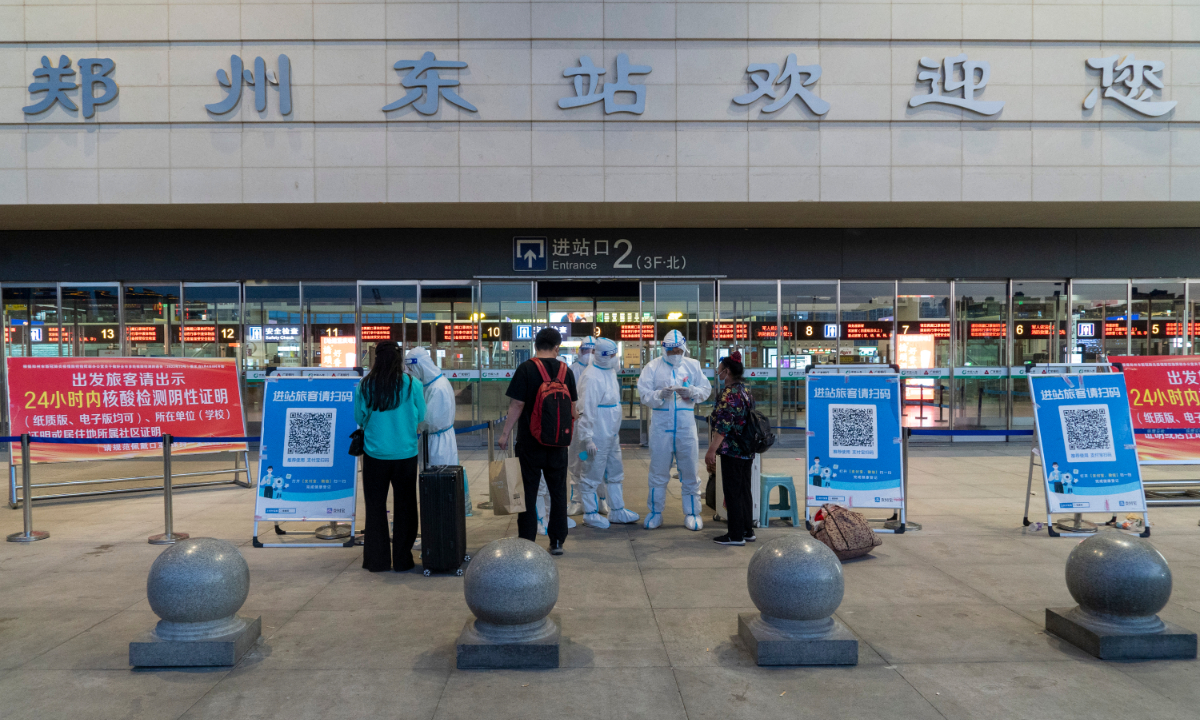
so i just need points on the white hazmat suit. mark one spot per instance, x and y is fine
(599, 429)
(574, 462)
(439, 412)
(671, 385)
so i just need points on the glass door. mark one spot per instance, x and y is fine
(690, 308)
(450, 328)
(923, 335)
(212, 320)
(1158, 317)
(621, 317)
(981, 355)
(388, 311)
(1100, 321)
(1038, 332)
(503, 308)
(152, 315)
(91, 320)
(330, 325)
(868, 314)
(273, 337)
(749, 321)
(808, 313)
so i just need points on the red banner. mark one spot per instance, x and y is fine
(121, 398)
(1164, 398)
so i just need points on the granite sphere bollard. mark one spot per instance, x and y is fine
(511, 585)
(196, 587)
(796, 583)
(1121, 582)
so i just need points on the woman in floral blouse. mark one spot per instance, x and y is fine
(728, 422)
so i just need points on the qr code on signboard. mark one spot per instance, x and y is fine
(1087, 433)
(853, 431)
(308, 437)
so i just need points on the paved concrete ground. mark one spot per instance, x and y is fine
(950, 619)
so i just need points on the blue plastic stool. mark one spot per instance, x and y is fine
(787, 505)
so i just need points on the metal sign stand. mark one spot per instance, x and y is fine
(1076, 526)
(169, 537)
(332, 530)
(28, 534)
(898, 523)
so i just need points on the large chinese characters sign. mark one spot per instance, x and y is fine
(1164, 399)
(121, 400)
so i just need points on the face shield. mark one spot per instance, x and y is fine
(604, 354)
(674, 340)
(419, 364)
(586, 348)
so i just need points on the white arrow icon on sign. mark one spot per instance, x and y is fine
(530, 256)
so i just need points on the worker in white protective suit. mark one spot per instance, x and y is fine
(540, 508)
(599, 429)
(439, 412)
(671, 385)
(574, 462)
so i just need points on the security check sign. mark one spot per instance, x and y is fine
(305, 471)
(1089, 451)
(855, 454)
(529, 254)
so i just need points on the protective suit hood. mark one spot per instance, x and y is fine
(586, 348)
(604, 355)
(419, 363)
(672, 341)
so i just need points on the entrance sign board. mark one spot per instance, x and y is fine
(1164, 401)
(1085, 435)
(305, 471)
(121, 398)
(855, 452)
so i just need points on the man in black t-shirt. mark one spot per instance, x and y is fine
(538, 460)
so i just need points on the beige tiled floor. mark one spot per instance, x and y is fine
(948, 618)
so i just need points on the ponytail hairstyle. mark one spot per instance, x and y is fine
(381, 387)
(733, 363)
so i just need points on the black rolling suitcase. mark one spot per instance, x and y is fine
(443, 519)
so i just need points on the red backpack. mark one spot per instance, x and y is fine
(551, 422)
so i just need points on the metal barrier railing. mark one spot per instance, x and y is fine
(241, 467)
(166, 538)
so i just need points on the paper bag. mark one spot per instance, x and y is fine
(507, 488)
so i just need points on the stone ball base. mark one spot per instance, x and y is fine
(1109, 639)
(150, 650)
(484, 646)
(820, 642)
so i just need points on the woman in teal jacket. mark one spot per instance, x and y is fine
(389, 407)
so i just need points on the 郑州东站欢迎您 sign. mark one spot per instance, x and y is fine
(1123, 79)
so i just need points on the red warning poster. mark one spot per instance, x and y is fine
(120, 399)
(1164, 399)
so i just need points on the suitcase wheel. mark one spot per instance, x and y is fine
(458, 571)
(466, 558)
(427, 573)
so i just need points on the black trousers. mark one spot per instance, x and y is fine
(536, 461)
(739, 502)
(401, 475)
